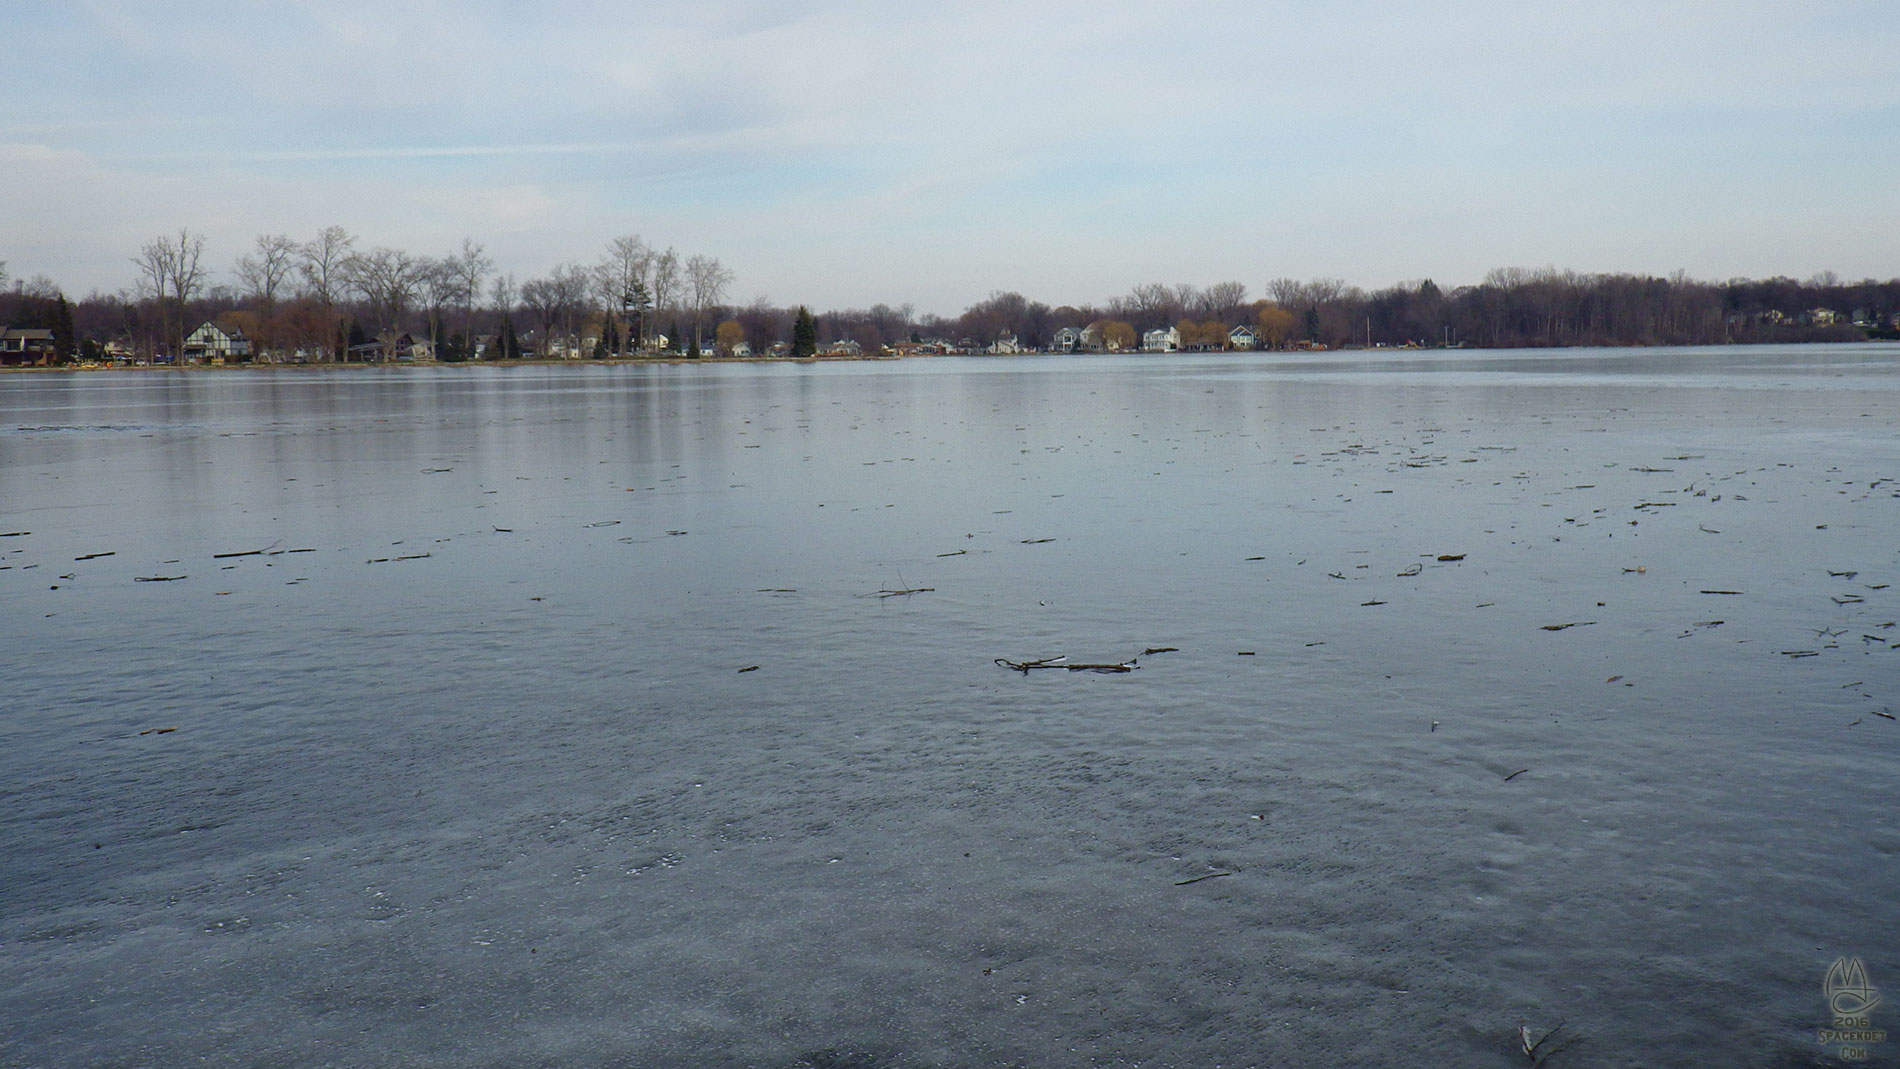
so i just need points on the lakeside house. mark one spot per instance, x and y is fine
(27, 347)
(217, 343)
(1243, 338)
(1161, 340)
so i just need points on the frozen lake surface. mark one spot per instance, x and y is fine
(559, 723)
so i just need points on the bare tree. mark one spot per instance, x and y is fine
(503, 293)
(264, 269)
(172, 266)
(664, 275)
(1222, 301)
(322, 267)
(323, 260)
(706, 282)
(439, 282)
(542, 296)
(469, 267)
(574, 286)
(620, 281)
(1151, 305)
(893, 322)
(387, 279)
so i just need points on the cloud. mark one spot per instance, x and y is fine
(913, 146)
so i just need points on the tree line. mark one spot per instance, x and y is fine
(1510, 308)
(329, 299)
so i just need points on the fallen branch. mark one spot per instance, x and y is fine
(900, 593)
(157, 578)
(1198, 879)
(1535, 1050)
(1025, 667)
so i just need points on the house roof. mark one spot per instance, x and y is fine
(28, 334)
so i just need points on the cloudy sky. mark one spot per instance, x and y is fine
(841, 153)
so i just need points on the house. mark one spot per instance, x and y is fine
(28, 345)
(396, 345)
(1243, 338)
(1068, 340)
(846, 347)
(217, 343)
(1823, 317)
(741, 348)
(1161, 340)
(1006, 345)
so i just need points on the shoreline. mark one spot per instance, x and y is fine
(332, 365)
(686, 360)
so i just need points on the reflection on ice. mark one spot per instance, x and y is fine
(1477, 693)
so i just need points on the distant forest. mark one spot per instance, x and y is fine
(325, 300)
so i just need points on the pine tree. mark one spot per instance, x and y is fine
(804, 334)
(63, 331)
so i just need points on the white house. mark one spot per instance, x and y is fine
(1242, 337)
(1068, 340)
(217, 343)
(1164, 340)
(1006, 345)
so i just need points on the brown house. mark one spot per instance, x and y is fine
(26, 347)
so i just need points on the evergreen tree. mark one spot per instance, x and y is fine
(63, 331)
(804, 334)
(679, 343)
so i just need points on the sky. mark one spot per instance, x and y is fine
(843, 153)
